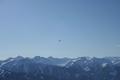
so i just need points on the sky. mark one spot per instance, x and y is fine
(59, 28)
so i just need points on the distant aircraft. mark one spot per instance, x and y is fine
(59, 40)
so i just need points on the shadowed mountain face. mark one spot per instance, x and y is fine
(40, 68)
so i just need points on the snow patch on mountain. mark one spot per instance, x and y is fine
(3, 63)
(64, 64)
(104, 65)
(87, 68)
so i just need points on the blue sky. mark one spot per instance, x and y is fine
(34, 27)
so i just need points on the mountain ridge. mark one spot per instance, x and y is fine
(41, 68)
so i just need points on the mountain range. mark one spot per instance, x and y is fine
(41, 68)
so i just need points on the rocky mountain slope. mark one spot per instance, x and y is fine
(40, 68)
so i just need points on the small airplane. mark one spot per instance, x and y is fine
(59, 40)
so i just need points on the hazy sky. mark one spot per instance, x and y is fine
(34, 27)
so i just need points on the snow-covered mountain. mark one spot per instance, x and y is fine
(40, 68)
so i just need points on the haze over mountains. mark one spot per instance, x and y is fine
(40, 68)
